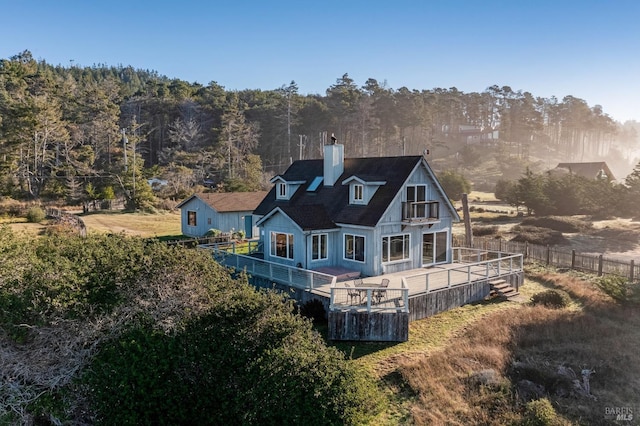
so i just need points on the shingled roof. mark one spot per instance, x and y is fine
(327, 206)
(229, 201)
(588, 170)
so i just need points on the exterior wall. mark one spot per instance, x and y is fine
(391, 224)
(207, 218)
(281, 223)
(366, 268)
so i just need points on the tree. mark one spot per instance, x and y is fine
(454, 184)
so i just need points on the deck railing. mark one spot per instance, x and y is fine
(474, 265)
(295, 277)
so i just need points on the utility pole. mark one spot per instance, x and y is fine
(302, 145)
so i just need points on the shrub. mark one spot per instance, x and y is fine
(313, 309)
(213, 232)
(540, 412)
(537, 235)
(35, 215)
(239, 362)
(618, 288)
(481, 231)
(551, 299)
(558, 223)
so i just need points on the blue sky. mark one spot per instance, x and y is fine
(588, 49)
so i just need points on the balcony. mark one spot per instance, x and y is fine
(420, 212)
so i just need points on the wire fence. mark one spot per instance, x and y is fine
(561, 258)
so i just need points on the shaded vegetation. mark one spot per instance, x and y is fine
(110, 329)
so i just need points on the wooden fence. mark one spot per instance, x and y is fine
(562, 258)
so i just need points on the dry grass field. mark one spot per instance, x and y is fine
(498, 363)
(134, 224)
(138, 224)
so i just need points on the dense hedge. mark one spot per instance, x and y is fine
(158, 335)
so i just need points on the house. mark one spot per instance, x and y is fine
(593, 170)
(370, 215)
(224, 211)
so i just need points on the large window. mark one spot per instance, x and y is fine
(191, 218)
(319, 247)
(395, 247)
(282, 245)
(416, 196)
(354, 247)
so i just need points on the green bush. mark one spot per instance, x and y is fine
(540, 412)
(237, 364)
(551, 299)
(619, 288)
(313, 309)
(35, 215)
(213, 232)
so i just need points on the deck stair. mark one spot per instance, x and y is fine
(503, 289)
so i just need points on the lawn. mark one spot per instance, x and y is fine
(134, 224)
(138, 224)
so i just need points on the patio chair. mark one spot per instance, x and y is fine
(382, 293)
(357, 282)
(352, 293)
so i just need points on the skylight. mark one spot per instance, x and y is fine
(315, 184)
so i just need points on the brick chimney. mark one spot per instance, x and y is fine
(333, 163)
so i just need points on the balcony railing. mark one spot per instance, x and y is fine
(420, 211)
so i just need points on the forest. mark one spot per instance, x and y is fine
(80, 134)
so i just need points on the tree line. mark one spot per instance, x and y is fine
(85, 133)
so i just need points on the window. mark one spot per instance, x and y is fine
(191, 218)
(208, 221)
(282, 245)
(416, 197)
(358, 193)
(282, 190)
(319, 247)
(395, 247)
(354, 247)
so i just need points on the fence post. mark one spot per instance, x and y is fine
(573, 259)
(526, 249)
(600, 265)
(632, 265)
(548, 255)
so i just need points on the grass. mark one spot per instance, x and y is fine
(162, 225)
(139, 224)
(467, 366)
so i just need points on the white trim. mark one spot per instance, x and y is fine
(326, 243)
(344, 247)
(408, 246)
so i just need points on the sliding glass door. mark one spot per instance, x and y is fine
(434, 248)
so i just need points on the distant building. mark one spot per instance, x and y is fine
(224, 211)
(593, 170)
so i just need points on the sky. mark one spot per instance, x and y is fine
(584, 48)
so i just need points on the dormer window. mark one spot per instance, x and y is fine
(362, 189)
(358, 193)
(281, 189)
